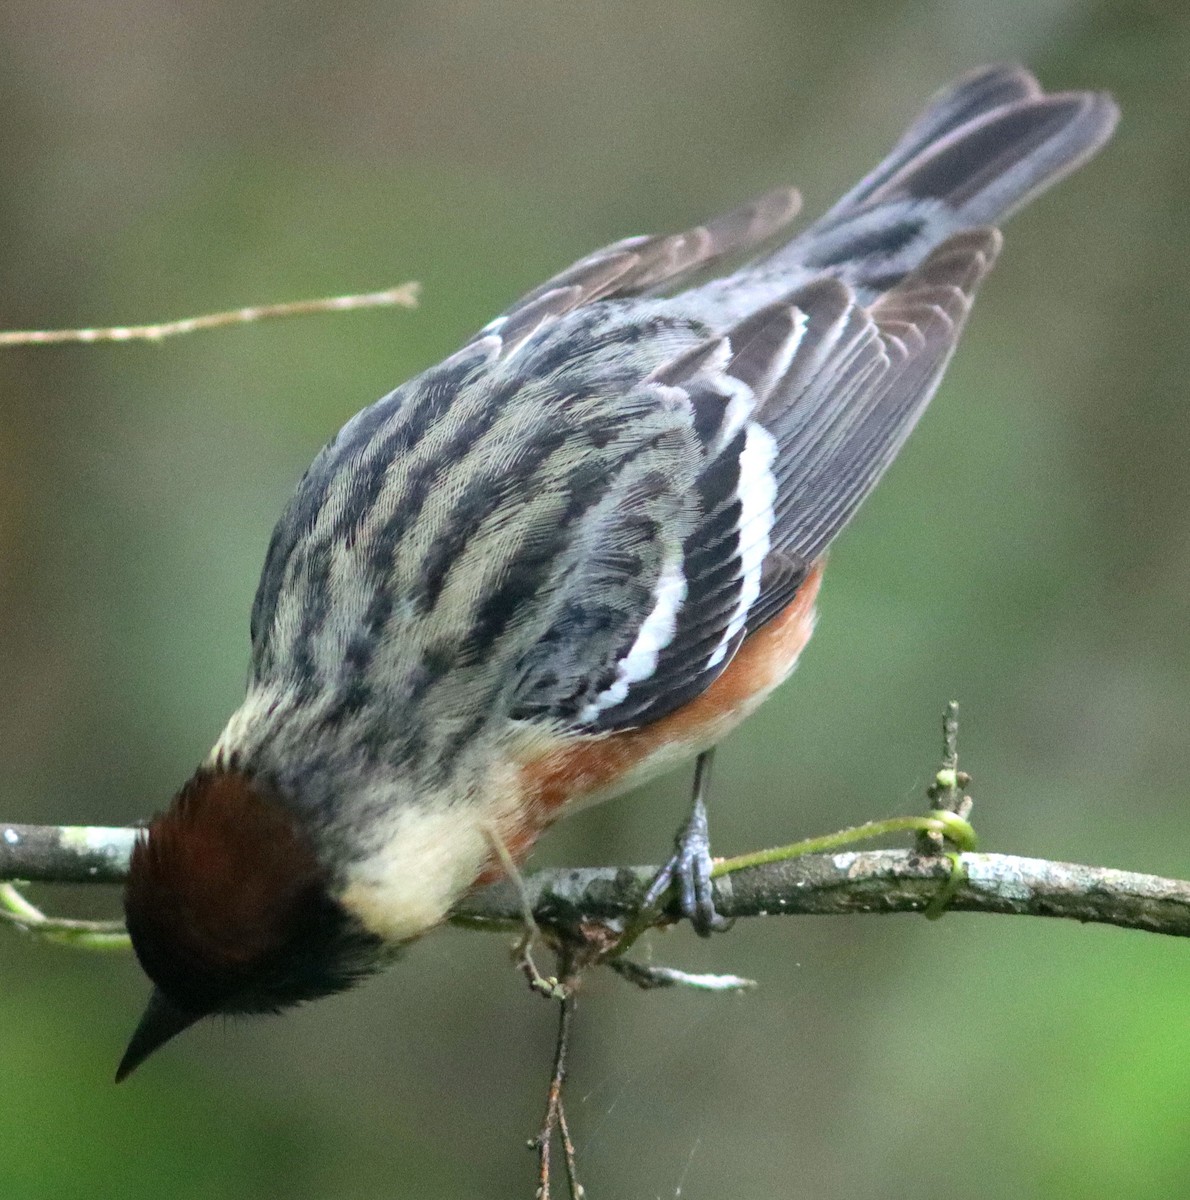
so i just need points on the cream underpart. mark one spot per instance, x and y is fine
(427, 856)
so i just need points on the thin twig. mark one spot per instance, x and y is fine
(570, 1156)
(403, 296)
(522, 952)
(936, 821)
(650, 976)
(555, 1113)
(946, 792)
(16, 909)
(947, 796)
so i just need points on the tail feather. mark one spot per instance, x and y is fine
(964, 100)
(981, 149)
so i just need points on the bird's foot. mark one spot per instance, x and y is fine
(690, 866)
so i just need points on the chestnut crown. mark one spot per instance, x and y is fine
(229, 911)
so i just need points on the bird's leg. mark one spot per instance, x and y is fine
(691, 863)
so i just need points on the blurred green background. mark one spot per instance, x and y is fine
(1029, 555)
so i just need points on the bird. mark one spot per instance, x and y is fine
(570, 557)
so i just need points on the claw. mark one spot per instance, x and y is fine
(691, 864)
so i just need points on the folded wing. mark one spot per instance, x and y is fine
(798, 410)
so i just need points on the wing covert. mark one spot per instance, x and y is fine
(797, 410)
(640, 266)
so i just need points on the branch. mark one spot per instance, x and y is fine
(869, 881)
(65, 853)
(404, 296)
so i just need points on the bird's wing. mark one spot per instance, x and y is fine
(797, 412)
(588, 543)
(638, 266)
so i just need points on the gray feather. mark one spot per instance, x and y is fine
(578, 518)
(981, 150)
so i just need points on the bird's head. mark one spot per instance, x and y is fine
(230, 910)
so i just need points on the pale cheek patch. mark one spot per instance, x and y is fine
(408, 886)
(430, 854)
